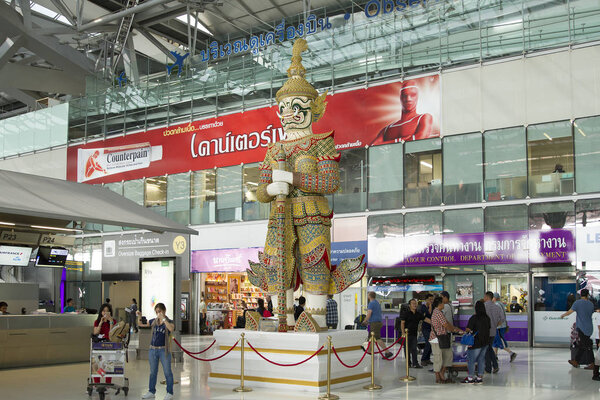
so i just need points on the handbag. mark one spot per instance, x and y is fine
(468, 339)
(443, 340)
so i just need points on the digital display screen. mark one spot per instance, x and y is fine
(15, 256)
(51, 257)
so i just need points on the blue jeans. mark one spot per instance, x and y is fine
(476, 356)
(155, 355)
(491, 361)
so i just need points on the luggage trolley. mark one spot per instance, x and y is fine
(459, 362)
(107, 363)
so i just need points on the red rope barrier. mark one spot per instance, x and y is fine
(393, 358)
(205, 350)
(390, 346)
(284, 365)
(359, 361)
(208, 359)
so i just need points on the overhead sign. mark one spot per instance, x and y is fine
(399, 111)
(50, 239)
(15, 256)
(99, 162)
(223, 260)
(513, 247)
(19, 237)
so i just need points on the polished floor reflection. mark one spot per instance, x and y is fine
(535, 374)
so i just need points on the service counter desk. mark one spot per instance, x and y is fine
(32, 340)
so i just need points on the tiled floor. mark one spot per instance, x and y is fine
(535, 374)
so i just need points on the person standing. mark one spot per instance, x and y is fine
(448, 311)
(162, 327)
(375, 318)
(440, 327)
(479, 326)
(495, 314)
(499, 341)
(202, 314)
(332, 312)
(584, 309)
(269, 304)
(133, 308)
(515, 306)
(299, 308)
(426, 310)
(410, 320)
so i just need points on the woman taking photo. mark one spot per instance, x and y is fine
(479, 325)
(160, 350)
(104, 322)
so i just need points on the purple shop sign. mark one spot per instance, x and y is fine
(511, 247)
(223, 260)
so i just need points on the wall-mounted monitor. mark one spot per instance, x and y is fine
(15, 256)
(51, 257)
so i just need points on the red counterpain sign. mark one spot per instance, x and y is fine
(399, 111)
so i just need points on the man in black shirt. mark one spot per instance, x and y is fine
(426, 309)
(300, 308)
(410, 320)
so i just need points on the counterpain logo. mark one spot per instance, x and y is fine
(97, 163)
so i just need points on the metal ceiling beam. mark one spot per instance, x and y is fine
(9, 48)
(159, 14)
(25, 77)
(64, 11)
(26, 98)
(118, 15)
(150, 37)
(26, 11)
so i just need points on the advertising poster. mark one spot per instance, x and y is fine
(464, 293)
(398, 111)
(224, 260)
(157, 287)
(107, 363)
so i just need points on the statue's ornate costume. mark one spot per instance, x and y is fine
(300, 222)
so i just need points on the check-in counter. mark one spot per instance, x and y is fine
(31, 340)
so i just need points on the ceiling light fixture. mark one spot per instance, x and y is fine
(7, 223)
(52, 228)
(549, 138)
(426, 164)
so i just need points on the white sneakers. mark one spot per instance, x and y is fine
(149, 395)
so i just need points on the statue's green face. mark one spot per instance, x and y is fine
(295, 112)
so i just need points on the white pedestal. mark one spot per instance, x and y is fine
(289, 348)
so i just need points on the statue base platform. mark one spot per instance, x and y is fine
(289, 348)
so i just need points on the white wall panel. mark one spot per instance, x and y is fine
(52, 164)
(503, 94)
(585, 78)
(461, 101)
(548, 87)
(228, 236)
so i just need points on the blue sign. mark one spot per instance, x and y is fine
(178, 63)
(343, 250)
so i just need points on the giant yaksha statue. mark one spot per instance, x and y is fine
(296, 174)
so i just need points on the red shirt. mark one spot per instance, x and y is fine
(105, 328)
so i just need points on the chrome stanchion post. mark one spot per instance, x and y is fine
(372, 386)
(328, 395)
(407, 377)
(386, 329)
(242, 388)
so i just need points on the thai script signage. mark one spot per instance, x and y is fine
(373, 8)
(512, 247)
(361, 117)
(256, 42)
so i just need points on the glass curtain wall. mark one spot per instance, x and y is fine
(352, 194)
(229, 194)
(253, 209)
(203, 197)
(550, 159)
(505, 169)
(385, 181)
(178, 197)
(155, 195)
(463, 169)
(586, 133)
(423, 173)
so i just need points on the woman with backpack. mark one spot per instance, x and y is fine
(160, 350)
(478, 326)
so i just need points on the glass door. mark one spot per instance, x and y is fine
(552, 295)
(514, 295)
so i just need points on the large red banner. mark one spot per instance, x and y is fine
(399, 111)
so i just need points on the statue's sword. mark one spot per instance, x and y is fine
(281, 283)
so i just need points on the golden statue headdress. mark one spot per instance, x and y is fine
(297, 85)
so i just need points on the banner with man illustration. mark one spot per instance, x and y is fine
(390, 113)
